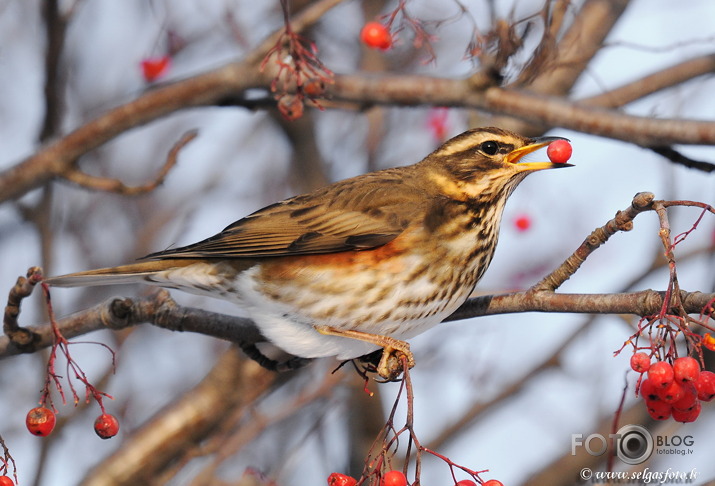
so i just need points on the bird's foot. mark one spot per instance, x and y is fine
(393, 350)
(391, 363)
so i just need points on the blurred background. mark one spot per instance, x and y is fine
(503, 393)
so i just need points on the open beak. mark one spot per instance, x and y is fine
(536, 143)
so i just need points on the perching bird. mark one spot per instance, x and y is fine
(363, 263)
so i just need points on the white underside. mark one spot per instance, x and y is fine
(284, 325)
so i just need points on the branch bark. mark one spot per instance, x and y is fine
(160, 310)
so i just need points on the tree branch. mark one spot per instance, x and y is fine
(657, 81)
(161, 311)
(59, 157)
(205, 89)
(114, 185)
(232, 383)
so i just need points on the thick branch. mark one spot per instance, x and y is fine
(551, 111)
(226, 82)
(231, 384)
(547, 111)
(578, 46)
(205, 89)
(659, 80)
(643, 303)
(160, 310)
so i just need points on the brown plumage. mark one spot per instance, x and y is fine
(362, 263)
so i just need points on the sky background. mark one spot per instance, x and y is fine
(240, 162)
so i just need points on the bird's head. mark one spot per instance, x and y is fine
(485, 163)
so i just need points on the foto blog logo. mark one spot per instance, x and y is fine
(633, 444)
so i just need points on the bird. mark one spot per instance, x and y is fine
(360, 265)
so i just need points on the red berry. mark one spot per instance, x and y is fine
(291, 107)
(106, 426)
(671, 393)
(686, 369)
(522, 222)
(559, 152)
(688, 415)
(659, 410)
(648, 391)
(708, 340)
(376, 36)
(705, 385)
(155, 67)
(437, 122)
(661, 374)
(393, 478)
(314, 88)
(492, 482)
(688, 400)
(466, 482)
(337, 479)
(640, 362)
(6, 481)
(40, 421)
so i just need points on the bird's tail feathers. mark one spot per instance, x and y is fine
(123, 274)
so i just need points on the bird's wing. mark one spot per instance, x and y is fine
(344, 216)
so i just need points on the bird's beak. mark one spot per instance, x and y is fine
(536, 143)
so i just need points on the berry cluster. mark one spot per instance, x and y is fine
(397, 478)
(390, 478)
(673, 390)
(40, 421)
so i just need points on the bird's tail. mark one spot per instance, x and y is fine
(123, 274)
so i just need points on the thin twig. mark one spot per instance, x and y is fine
(114, 185)
(623, 221)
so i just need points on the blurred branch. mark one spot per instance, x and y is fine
(232, 383)
(244, 425)
(549, 111)
(677, 157)
(546, 111)
(581, 42)
(308, 171)
(658, 81)
(452, 431)
(56, 28)
(563, 470)
(114, 185)
(58, 157)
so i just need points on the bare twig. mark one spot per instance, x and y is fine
(623, 221)
(114, 185)
(20, 337)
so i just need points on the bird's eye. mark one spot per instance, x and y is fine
(489, 148)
